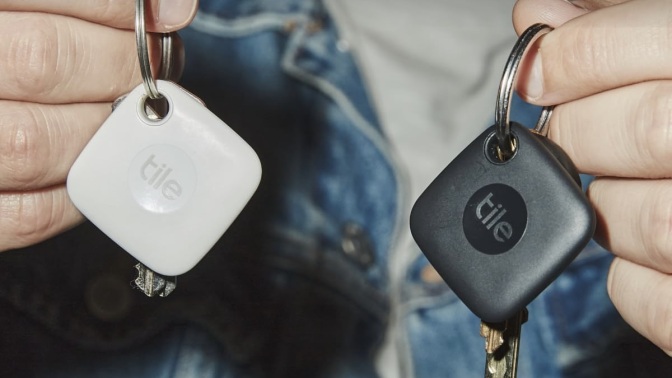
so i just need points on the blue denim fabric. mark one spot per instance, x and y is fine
(298, 287)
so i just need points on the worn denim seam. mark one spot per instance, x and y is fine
(402, 340)
(221, 27)
(342, 101)
(209, 24)
(383, 147)
(379, 308)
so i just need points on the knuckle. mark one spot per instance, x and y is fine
(21, 156)
(659, 222)
(32, 56)
(653, 123)
(28, 216)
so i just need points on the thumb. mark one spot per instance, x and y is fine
(162, 15)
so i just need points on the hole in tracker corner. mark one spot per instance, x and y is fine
(493, 153)
(156, 109)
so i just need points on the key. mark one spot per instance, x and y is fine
(152, 283)
(501, 346)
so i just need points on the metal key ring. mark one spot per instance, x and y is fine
(143, 51)
(505, 144)
(167, 62)
(167, 59)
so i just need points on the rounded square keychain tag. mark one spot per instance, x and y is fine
(164, 190)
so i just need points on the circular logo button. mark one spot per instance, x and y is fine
(162, 178)
(495, 219)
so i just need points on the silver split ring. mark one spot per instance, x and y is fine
(167, 53)
(505, 143)
(143, 50)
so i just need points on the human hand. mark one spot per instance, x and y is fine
(608, 64)
(62, 63)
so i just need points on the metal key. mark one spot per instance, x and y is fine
(152, 283)
(502, 341)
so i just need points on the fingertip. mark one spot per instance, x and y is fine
(530, 83)
(623, 291)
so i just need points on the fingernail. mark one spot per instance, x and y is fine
(534, 87)
(176, 13)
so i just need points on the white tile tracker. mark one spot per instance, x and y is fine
(165, 190)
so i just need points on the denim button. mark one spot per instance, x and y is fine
(356, 245)
(109, 297)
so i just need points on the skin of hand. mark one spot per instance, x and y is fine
(607, 64)
(62, 63)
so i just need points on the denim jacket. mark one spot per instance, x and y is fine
(299, 286)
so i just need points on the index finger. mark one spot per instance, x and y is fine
(611, 47)
(162, 15)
